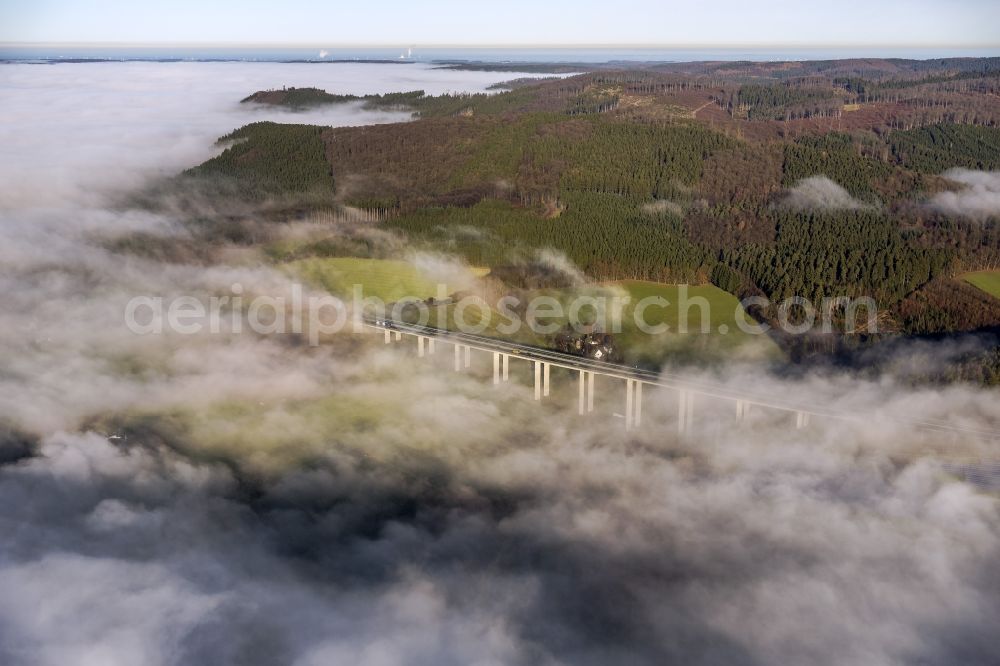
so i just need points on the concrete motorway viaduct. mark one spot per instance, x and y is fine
(688, 390)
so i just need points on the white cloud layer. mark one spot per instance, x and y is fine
(275, 503)
(76, 129)
(979, 197)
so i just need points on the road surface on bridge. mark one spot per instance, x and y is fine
(677, 382)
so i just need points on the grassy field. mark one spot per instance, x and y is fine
(720, 339)
(988, 281)
(380, 278)
(689, 337)
(686, 338)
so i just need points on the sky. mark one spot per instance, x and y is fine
(513, 22)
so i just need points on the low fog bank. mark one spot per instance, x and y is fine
(71, 129)
(423, 518)
(978, 198)
(239, 499)
(77, 138)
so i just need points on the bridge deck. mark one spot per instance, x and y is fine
(665, 380)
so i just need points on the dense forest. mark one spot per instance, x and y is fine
(937, 148)
(266, 159)
(763, 179)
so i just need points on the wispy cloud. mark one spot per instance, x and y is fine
(978, 198)
(663, 206)
(821, 193)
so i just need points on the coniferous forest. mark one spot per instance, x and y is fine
(818, 185)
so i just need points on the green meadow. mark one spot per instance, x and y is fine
(703, 324)
(381, 278)
(683, 323)
(988, 281)
(692, 323)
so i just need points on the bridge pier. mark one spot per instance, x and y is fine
(633, 403)
(505, 358)
(496, 368)
(420, 346)
(637, 417)
(388, 336)
(459, 364)
(399, 335)
(685, 411)
(590, 391)
(629, 396)
(586, 383)
(543, 373)
(742, 409)
(801, 420)
(430, 346)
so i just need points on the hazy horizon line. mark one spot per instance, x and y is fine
(811, 45)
